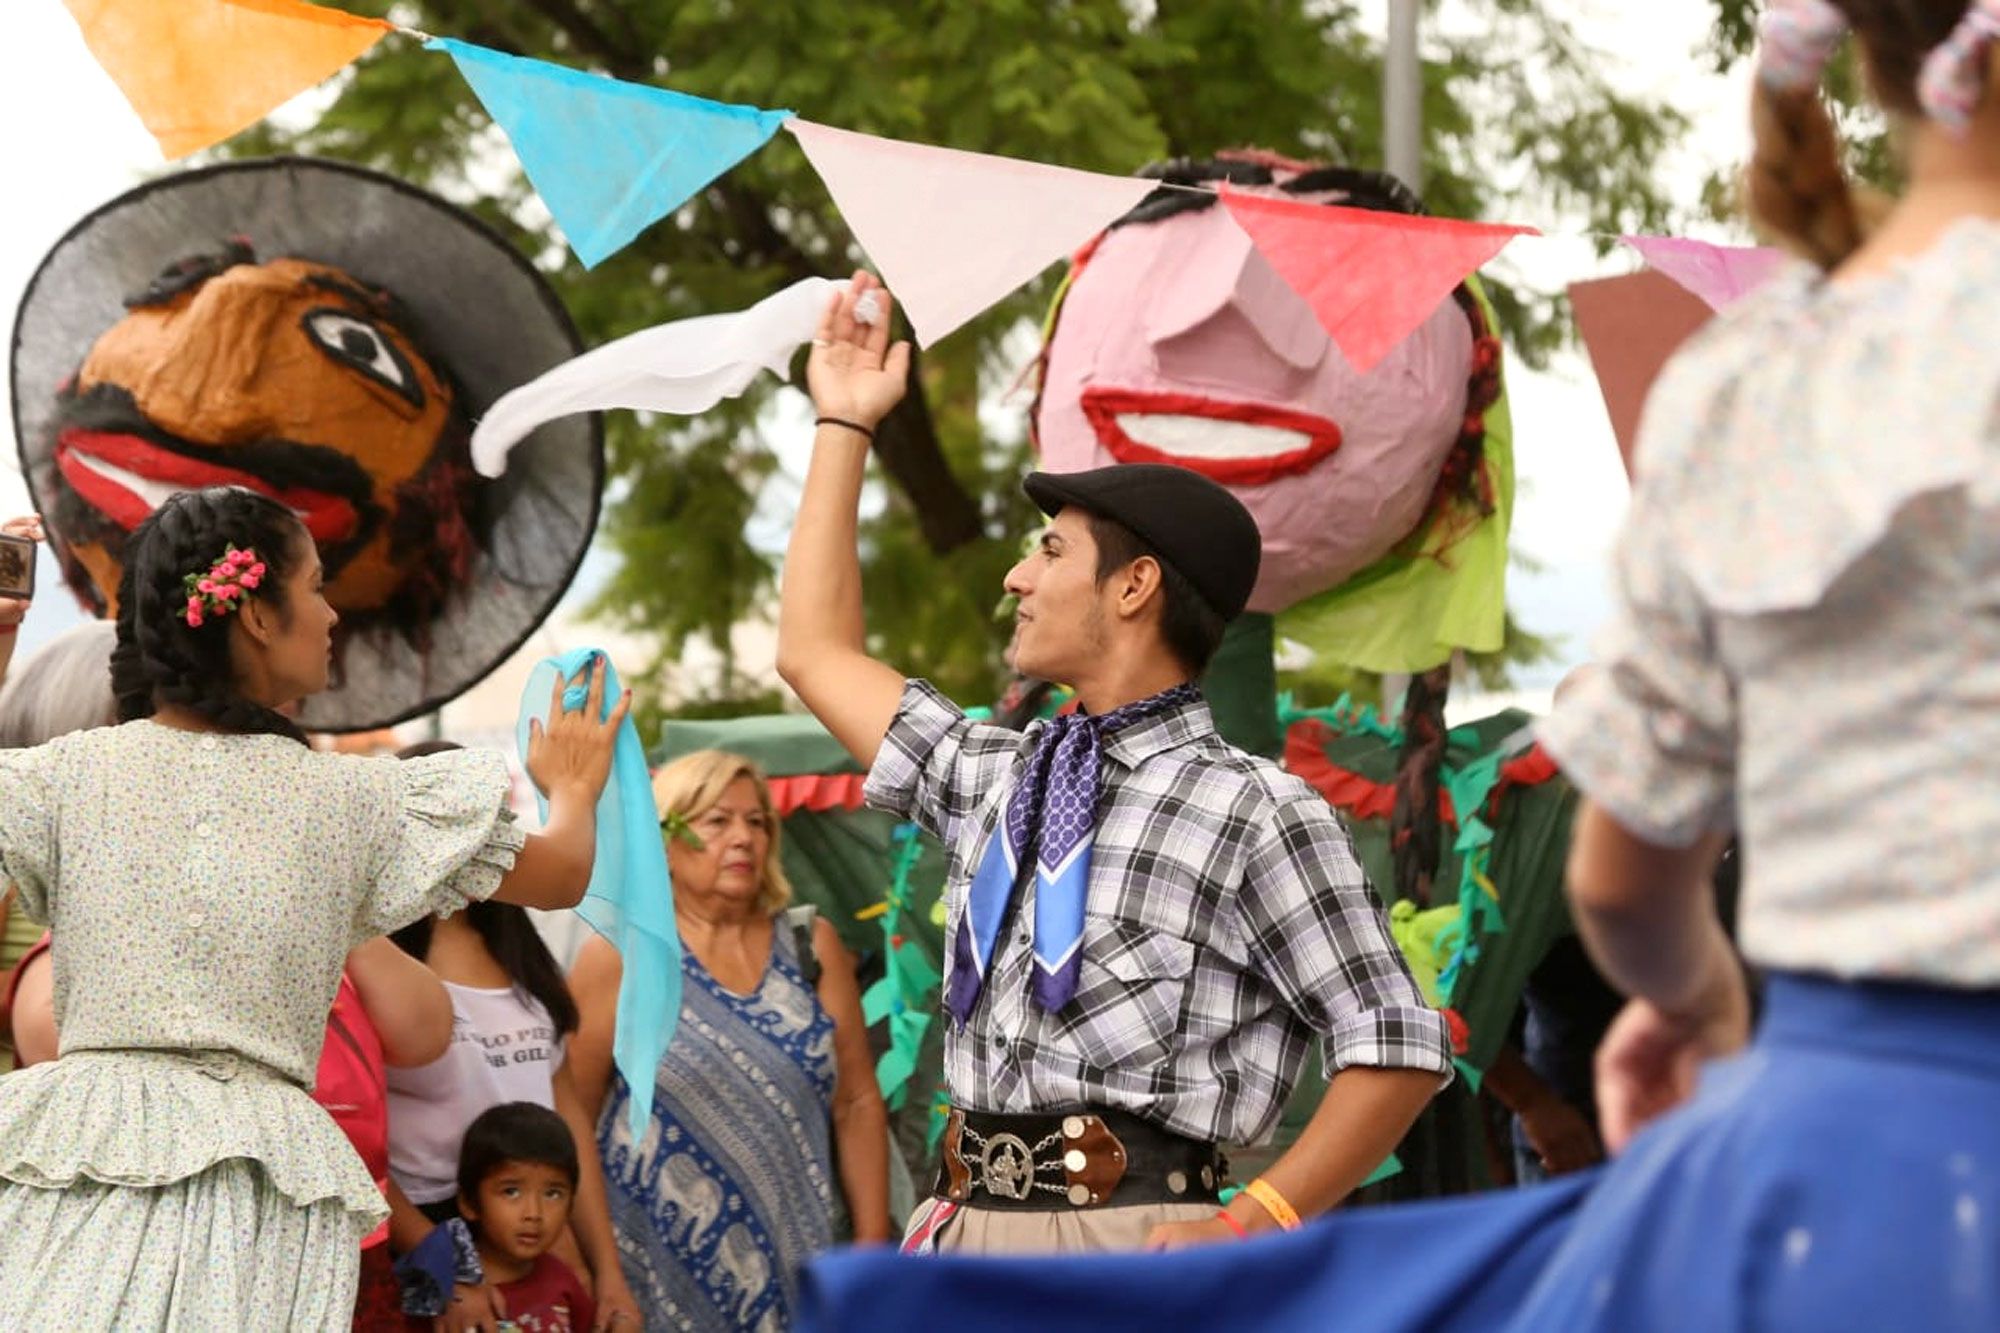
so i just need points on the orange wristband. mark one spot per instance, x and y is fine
(1234, 1225)
(1274, 1203)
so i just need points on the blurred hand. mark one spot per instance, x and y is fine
(617, 1310)
(472, 1310)
(571, 753)
(1650, 1060)
(1168, 1236)
(853, 372)
(1560, 1136)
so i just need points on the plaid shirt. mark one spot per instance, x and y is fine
(1227, 923)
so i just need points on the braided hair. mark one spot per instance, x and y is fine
(1797, 189)
(160, 658)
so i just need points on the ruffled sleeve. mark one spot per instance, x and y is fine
(28, 822)
(1650, 733)
(449, 839)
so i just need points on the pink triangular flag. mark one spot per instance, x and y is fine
(952, 232)
(1718, 274)
(1372, 278)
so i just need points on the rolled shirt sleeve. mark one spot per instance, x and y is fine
(935, 764)
(1650, 733)
(1317, 933)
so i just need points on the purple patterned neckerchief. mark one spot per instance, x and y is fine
(1054, 810)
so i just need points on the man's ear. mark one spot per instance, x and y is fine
(1138, 587)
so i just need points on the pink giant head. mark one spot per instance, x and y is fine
(1175, 342)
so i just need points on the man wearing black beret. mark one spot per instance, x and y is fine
(1145, 926)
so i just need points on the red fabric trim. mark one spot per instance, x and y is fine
(816, 792)
(1531, 768)
(1102, 405)
(1364, 798)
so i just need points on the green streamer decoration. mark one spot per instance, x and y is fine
(906, 996)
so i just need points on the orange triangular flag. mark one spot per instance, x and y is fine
(1372, 278)
(197, 71)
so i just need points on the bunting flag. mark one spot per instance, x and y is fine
(953, 232)
(1371, 278)
(198, 71)
(1630, 326)
(1719, 274)
(609, 158)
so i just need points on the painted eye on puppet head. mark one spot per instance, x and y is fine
(353, 341)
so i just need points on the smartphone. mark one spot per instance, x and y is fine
(17, 566)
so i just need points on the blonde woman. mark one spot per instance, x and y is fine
(768, 1082)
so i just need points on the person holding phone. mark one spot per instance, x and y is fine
(17, 579)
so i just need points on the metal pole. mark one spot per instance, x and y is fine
(1403, 95)
(1403, 155)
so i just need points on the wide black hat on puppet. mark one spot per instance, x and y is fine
(327, 335)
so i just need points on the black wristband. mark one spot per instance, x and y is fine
(851, 425)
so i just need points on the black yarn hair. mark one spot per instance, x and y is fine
(160, 658)
(506, 930)
(1192, 628)
(514, 1132)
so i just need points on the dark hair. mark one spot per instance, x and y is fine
(160, 658)
(514, 1132)
(507, 931)
(1797, 187)
(1191, 627)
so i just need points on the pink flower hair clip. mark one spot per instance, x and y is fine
(220, 590)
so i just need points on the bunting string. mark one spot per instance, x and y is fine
(952, 232)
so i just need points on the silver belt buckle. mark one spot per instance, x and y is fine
(1006, 1167)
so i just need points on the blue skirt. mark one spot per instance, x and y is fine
(1843, 1173)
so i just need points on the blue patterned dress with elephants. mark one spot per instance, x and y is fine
(732, 1185)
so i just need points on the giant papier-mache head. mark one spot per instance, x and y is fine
(1175, 342)
(323, 335)
(291, 378)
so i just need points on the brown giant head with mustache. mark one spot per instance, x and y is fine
(291, 378)
(332, 357)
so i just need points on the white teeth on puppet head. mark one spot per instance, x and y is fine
(1210, 437)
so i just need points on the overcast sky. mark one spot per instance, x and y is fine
(72, 143)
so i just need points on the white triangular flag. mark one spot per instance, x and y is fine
(952, 232)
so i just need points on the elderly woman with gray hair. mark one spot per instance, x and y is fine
(766, 1117)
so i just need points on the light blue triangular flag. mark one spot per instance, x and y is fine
(609, 158)
(630, 899)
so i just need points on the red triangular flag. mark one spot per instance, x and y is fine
(1372, 278)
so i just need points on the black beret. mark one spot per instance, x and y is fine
(1199, 528)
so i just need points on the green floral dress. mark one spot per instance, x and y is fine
(170, 1170)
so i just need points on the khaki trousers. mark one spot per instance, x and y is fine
(974, 1230)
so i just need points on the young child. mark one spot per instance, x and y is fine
(516, 1177)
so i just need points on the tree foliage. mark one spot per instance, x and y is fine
(1522, 121)
(1864, 132)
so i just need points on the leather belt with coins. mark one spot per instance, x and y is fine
(1087, 1158)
